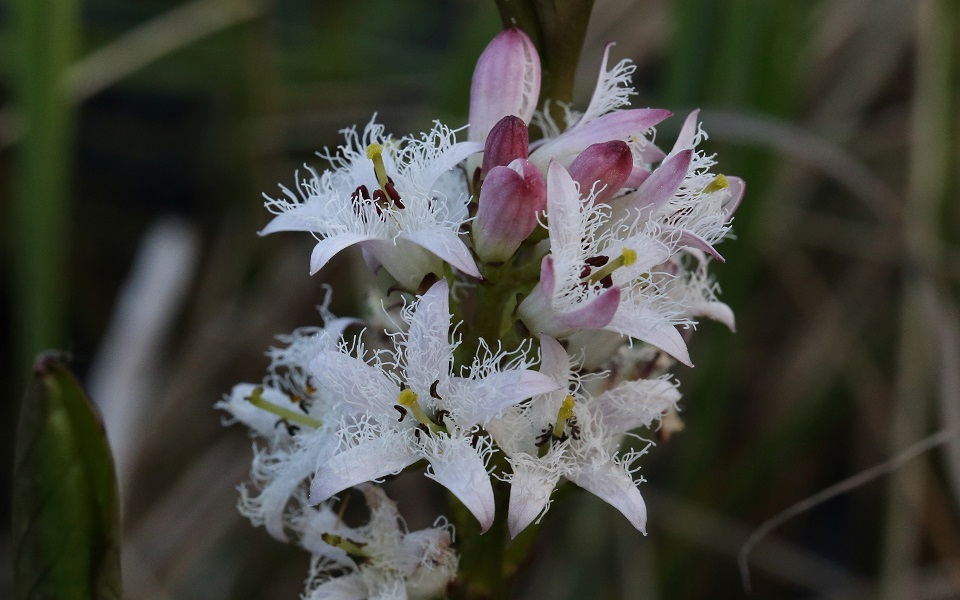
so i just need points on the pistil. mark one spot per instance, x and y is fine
(408, 400)
(627, 257)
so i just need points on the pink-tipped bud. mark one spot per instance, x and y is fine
(506, 81)
(507, 141)
(603, 168)
(510, 200)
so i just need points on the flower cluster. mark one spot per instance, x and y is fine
(545, 287)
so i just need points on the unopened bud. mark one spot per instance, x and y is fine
(507, 141)
(510, 200)
(603, 168)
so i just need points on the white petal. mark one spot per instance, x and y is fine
(301, 217)
(363, 388)
(459, 467)
(612, 484)
(475, 402)
(530, 489)
(329, 246)
(263, 423)
(449, 246)
(563, 209)
(635, 404)
(647, 326)
(554, 361)
(347, 587)
(427, 345)
(718, 311)
(371, 459)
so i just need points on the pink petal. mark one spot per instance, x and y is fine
(510, 202)
(595, 313)
(618, 125)
(638, 175)
(688, 133)
(603, 167)
(736, 187)
(507, 141)
(663, 183)
(689, 239)
(506, 81)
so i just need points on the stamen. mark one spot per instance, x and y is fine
(719, 182)
(627, 257)
(256, 399)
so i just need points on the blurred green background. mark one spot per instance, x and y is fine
(131, 194)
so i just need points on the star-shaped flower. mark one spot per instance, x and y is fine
(569, 434)
(410, 404)
(399, 200)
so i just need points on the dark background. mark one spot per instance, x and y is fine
(841, 115)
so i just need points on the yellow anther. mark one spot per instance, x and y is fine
(375, 153)
(629, 256)
(408, 398)
(719, 183)
(563, 415)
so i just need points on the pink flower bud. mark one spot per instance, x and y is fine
(507, 141)
(506, 81)
(602, 167)
(510, 200)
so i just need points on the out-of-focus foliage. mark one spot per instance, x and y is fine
(66, 519)
(842, 117)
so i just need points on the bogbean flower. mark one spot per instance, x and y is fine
(291, 418)
(397, 199)
(572, 435)
(412, 404)
(379, 560)
(591, 235)
(600, 275)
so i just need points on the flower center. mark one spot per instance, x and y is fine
(605, 267)
(408, 401)
(387, 193)
(558, 432)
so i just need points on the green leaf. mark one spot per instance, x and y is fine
(66, 526)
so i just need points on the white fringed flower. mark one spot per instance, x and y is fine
(397, 199)
(412, 404)
(292, 419)
(568, 434)
(601, 274)
(379, 560)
